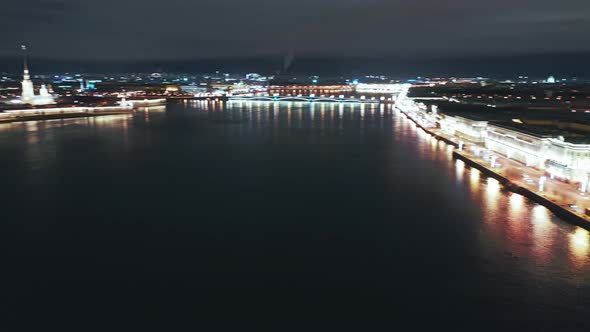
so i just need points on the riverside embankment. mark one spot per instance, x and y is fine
(557, 204)
(61, 113)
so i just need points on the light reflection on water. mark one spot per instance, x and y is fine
(524, 229)
(521, 231)
(579, 247)
(543, 229)
(511, 234)
(474, 180)
(509, 218)
(523, 224)
(516, 205)
(492, 195)
(460, 169)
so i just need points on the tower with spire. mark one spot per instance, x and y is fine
(28, 90)
(28, 93)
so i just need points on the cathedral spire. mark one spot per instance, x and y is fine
(28, 91)
(25, 62)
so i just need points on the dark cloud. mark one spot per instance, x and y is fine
(184, 29)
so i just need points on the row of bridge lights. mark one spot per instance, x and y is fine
(276, 95)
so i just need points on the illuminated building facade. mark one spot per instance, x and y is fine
(514, 144)
(390, 89)
(536, 143)
(472, 130)
(563, 158)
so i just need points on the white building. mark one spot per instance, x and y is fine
(568, 160)
(561, 159)
(469, 129)
(529, 149)
(395, 89)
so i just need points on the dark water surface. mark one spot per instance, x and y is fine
(262, 216)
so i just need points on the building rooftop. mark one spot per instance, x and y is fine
(481, 112)
(547, 131)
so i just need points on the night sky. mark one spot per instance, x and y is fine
(154, 30)
(139, 29)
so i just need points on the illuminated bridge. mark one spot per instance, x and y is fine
(312, 98)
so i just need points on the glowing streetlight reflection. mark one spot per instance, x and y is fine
(516, 204)
(493, 186)
(542, 232)
(579, 246)
(474, 178)
(475, 175)
(460, 169)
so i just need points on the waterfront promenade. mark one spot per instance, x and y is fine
(564, 199)
(126, 106)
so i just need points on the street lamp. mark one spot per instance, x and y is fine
(584, 187)
(542, 180)
(493, 161)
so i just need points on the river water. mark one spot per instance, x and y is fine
(274, 216)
